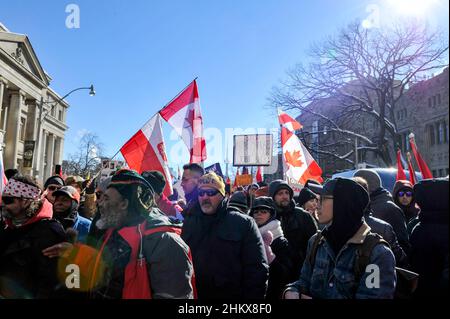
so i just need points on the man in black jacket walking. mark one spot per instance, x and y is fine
(298, 226)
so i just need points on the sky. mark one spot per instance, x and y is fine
(140, 54)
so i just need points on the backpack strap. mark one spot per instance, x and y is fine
(315, 246)
(363, 253)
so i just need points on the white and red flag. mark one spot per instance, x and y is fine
(145, 151)
(183, 114)
(299, 165)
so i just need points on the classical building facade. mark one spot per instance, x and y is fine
(31, 112)
(423, 110)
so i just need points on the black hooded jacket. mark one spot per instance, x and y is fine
(430, 238)
(384, 208)
(298, 226)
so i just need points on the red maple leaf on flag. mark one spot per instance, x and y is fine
(293, 158)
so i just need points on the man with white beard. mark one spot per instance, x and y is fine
(141, 254)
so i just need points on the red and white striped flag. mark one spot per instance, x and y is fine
(145, 151)
(183, 114)
(299, 165)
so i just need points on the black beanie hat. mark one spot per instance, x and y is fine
(263, 202)
(54, 180)
(156, 179)
(305, 195)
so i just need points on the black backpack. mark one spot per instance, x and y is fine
(406, 280)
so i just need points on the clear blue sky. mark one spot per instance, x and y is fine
(139, 54)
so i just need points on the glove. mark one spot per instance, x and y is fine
(91, 185)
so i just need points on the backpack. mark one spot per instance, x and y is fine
(406, 280)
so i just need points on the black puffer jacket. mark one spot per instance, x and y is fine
(430, 238)
(228, 254)
(384, 208)
(298, 226)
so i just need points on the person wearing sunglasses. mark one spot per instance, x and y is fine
(227, 248)
(404, 198)
(52, 184)
(24, 271)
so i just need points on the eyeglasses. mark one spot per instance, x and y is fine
(8, 200)
(403, 193)
(209, 192)
(53, 188)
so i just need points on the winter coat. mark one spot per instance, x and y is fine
(228, 254)
(24, 271)
(384, 208)
(82, 226)
(281, 268)
(386, 231)
(298, 227)
(169, 268)
(332, 277)
(409, 212)
(430, 238)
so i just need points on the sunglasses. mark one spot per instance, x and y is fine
(8, 200)
(209, 192)
(53, 188)
(407, 193)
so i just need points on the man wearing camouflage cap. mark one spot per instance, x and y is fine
(227, 248)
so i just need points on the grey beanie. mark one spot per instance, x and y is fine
(372, 178)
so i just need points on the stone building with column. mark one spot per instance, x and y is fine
(24, 85)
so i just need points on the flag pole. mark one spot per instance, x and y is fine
(178, 94)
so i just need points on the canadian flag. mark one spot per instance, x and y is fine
(145, 151)
(299, 165)
(183, 114)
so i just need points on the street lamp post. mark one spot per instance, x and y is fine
(42, 118)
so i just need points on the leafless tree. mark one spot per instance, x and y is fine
(86, 160)
(364, 73)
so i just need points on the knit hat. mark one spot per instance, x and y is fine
(372, 178)
(305, 195)
(156, 179)
(263, 202)
(212, 180)
(239, 200)
(54, 180)
(129, 177)
(68, 191)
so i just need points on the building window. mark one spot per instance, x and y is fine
(406, 113)
(446, 171)
(434, 100)
(441, 172)
(398, 115)
(406, 142)
(429, 102)
(445, 133)
(23, 122)
(439, 98)
(431, 134)
(433, 172)
(440, 133)
(60, 115)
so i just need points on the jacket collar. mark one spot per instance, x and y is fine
(360, 235)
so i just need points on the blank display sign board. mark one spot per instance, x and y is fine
(252, 150)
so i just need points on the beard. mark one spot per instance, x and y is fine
(114, 218)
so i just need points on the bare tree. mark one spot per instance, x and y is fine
(363, 73)
(86, 160)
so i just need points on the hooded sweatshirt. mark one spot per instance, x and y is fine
(410, 212)
(349, 203)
